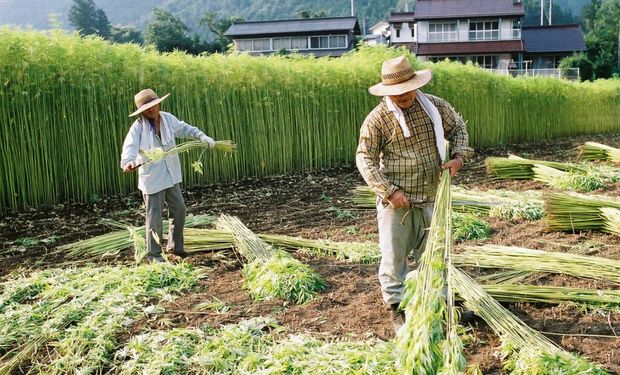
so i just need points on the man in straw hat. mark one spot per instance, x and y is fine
(400, 150)
(159, 181)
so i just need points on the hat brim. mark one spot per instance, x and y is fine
(148, 105)
(421, 78)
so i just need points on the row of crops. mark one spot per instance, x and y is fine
(77, 320)
(64, 103)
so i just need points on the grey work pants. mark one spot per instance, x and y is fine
(154, 224)
(396, 241)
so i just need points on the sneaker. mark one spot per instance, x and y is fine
(398, 317)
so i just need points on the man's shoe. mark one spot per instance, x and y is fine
(155, 260)
(180, 254)
(398, 317)
(465, 316)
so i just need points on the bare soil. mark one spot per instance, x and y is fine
(316, 205)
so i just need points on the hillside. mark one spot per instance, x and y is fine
(138, 13)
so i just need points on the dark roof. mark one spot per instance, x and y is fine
(302, 25)
(401, 17)
(461, 48)
(436, 9)
(553, 38)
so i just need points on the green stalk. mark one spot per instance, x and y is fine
(427, 342)
(496, 256)
(270, 272)
(573, 212)
(524, 350)
(599, 151)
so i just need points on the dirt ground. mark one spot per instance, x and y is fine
(316, 205)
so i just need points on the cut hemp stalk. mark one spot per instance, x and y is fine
(599, 151)
(496, 256)
(571, 212)
(113, 243)
(428, 342)
(524, 350)
(269, 272)
(157, 154)
(505, 204)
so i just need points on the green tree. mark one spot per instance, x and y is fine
(602, 37)
(578, 60)
(88, 19)
(589, 13)
(218, 26)
(126, 34)
(167, 32)
(309, 13)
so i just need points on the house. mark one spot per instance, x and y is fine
(485, 32)
(330, 36)
(379, 34)
(482, 31)
(402, 29)
(545, 46)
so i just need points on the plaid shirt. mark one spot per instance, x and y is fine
(388, 161)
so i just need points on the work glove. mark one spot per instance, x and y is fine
(206, 139)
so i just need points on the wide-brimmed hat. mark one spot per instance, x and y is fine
(146, 99)
(398, 77)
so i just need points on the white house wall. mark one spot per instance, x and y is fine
(405, 34)
(422, 31)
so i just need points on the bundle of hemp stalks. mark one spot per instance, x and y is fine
(199, 240)
(516, 168)
(600, 299)
(157, 154)
(496, 256)
(428, 342)
(599, 151)
(505, 204)
(566, 176)
(270, 272)
(523, 350)
(111, 244)
(574, 212)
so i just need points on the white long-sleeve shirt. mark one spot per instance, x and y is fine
(157, 176)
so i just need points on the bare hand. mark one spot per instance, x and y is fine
(454, 165)
(398, 200)
(129, 167)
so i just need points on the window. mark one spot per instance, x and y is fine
(281, 43)
(319, 42)
(516, 29)
(337, 41)
(486, 62)
(442, 32)
(397, 33)
(412, 28)
(484, 30)
(299, 43)
(261, 45)
(244, 45)
(331, 41)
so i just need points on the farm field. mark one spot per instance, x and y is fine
(316, 205)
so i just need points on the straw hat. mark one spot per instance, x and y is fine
(398, 77)
(146, 99)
